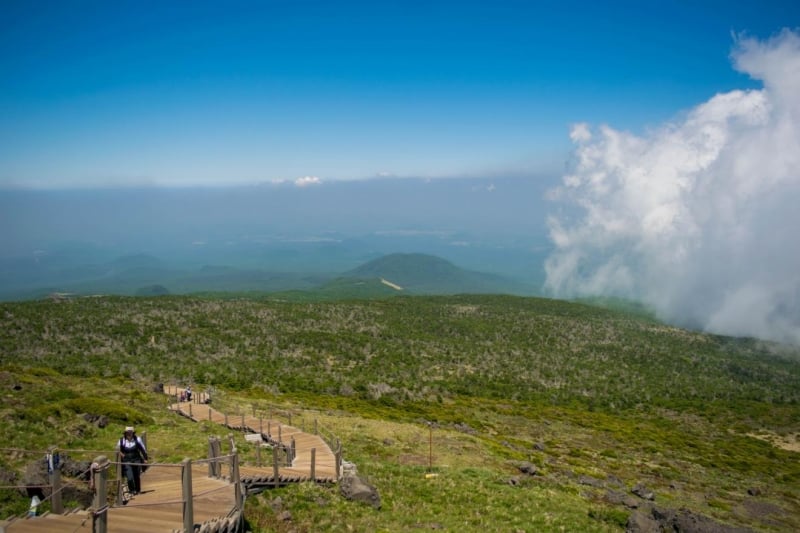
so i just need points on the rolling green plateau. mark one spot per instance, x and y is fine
(466, 412)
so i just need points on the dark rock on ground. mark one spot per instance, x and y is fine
(591, 481)
(655, 520)
(357, 488)
(620, 498)
(75, 469)
(642, 521)
(643, 492)
(100, 421)
(464, 428)
(528, 468)
(615, 481)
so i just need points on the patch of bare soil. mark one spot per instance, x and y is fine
(411, 459)
(789, 442)
(764, 512)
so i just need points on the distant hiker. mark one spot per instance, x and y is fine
(134, 455)
(189, 394)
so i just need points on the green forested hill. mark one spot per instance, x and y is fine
(428, 274)
(422, 347)
(576, 389)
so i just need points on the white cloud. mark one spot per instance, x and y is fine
(307, 181)
(580, 132)
(698, 217)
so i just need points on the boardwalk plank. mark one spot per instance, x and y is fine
(159, 507)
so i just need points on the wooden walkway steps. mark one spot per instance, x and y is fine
(160, 507)
(276, 434)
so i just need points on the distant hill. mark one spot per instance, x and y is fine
(427, 274)
(135, 274)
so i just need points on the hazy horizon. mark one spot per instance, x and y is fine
(638, 150)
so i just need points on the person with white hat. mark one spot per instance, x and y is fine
(133, 455)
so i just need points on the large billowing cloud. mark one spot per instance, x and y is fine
(699, 219)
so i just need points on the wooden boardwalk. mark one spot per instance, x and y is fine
(276, 434)
(160, 507)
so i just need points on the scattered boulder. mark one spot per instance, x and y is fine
(7, 477)
(158, 388)
(643, 492)
(35, 477)
(100, 421)
(356, 488)
(591, 481)
(614, 481)
(528, 468)
(642, 521)
(539, 446)
(686, 521)
(655, 520)
(36, 480)
(754, 491)
(276, 504)
(464, 428)
(620, 498)
(73, 493)
(285, 516)
(75, 469)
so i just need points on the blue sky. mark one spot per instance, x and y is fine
(225, 93)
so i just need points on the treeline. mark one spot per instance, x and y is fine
(404, 350)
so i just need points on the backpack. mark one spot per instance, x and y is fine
(139, 448)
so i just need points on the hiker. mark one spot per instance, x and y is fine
(189, 394)
(134, 455)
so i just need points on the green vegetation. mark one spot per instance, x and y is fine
(465, 387)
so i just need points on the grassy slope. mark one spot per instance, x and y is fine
(577, 390)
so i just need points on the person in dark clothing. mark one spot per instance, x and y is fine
(133, 455)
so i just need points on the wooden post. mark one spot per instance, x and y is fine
(293, 452)
(217, 454)
(430, 448)
(269, 428)
(243, 426)
(258, 454)
(55, 481)
(315, 427)
(261, 425)
(226, 419)
(290, 419)
(313, 474)
(211, 459)
(280, 438)
(188, 502)
(190, 409)
(338, 459)
(209, 413)
(275, 476)
(100, 505)
(237, 486)
(119, 477)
